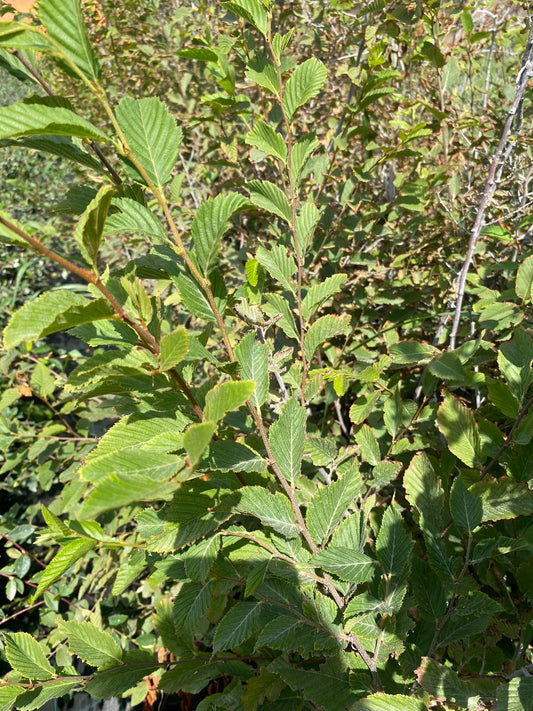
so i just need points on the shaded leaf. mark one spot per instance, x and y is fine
(304, 83)
(27, 657)
(197, 439)
(23, 119)
(274, 510)
(238, 624)
(90, 227)
(325, 328)
(457, 424)
(393, 543)
(349, 565)
(465, 508)
(209, 224)
(268, 196)
(329, 503)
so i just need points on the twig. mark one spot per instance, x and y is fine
(523, 78)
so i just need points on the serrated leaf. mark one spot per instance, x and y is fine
(129, 572)
(24, 119)
(253, 11)
(226, 397)
(229, 456)
(197, 439)
(62, 146)
(516, 695)
(457, 424)
(393, 543)
(327, 689)
(51, 312)
(8, 694)
(306, 222)
(409, 352)
(279, 264)
(134, 218)
(503, 499)
(319, 293)
(304, 83)
(190, 676)
(322, 330)
(90, 227)
(116, 490)
(263, 137)
(448, 367)
(62, 561)
(349, 565)
(465, 508)
(190, 605)
(278, 305)
(42, 380)
(265, 74)
(287, 436)
(238, 624)
(27, 657)
(301, 151)
(268, 196)
(389, 702)
(285, 632)
(64, 24)
(253, 359)
(424, 491)
(114, 682)
(328, 505)
(174, 348)
(37, 698)
(441, 681)
(92, 645)
(514, 362)
(209, 224)
(193, 299)
(152, 134)
(274, 510)
(368, 445)
(524, 280)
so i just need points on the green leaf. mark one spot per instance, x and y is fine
(465, 508)
(265, 74)
(190, 605)
(197, 439)
(448, 367)
(503, 499)
(328, 505)
(38, 697)
(349, 565)
(227, 456)
(274, 510)
(514, 362)
(253, 11)
(42, 380)
(61, 146)
(238, 624)
(328, 688)
(263, 137)
(442, 682)
(301, 151)
(64, 24)
(134, 218)
(411, 352)
(7, 236)
(517, 695)
(116, 490)
(325, 328)
(287, 437)
(62, 561)
(368, 445)
(114, 682)
(193, 299)
(174, 348)
(306, 222)
(209, 224)
(268, 196)
(424, 491)
(389, 702)
(25, 119)
(8, 694)
(51, 312)
(457, 424)
(27, 657)
(278, 305)
(226, 397)
(305, 82)
(319, 293)
(393, 413)
(90, 227)
(279, 264)
(393, 543)
(190, 676)
(524, 280)
(152, 135)
(253, 359)
(93, 646)
(502, 398)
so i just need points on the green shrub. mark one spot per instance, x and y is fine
(296, 451)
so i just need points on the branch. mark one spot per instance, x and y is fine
(524, 75)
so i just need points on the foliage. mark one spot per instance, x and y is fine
(304, 491)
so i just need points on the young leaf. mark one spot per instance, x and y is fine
(53, 311)
(93, 646)
(197, 439)
(304, 83)
(27, 657)
(279, 264)
(274, 510)
(209, 224)
(349, 565)
(174, 348)
(465, 508)
(90, 227)
(134, 218)
(328, 505)
(287, 436)
(319, 293)
(457, 424)
(62, 561)
(263, 137)
(152, 135)
(325, 328)
(238, 624)
(268, 196)
(227, 397)
(253, 359)
(514, 362)
(393, 543)
(253, 11)
(24, 119)
(64, 24)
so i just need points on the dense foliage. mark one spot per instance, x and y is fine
(285, 442)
